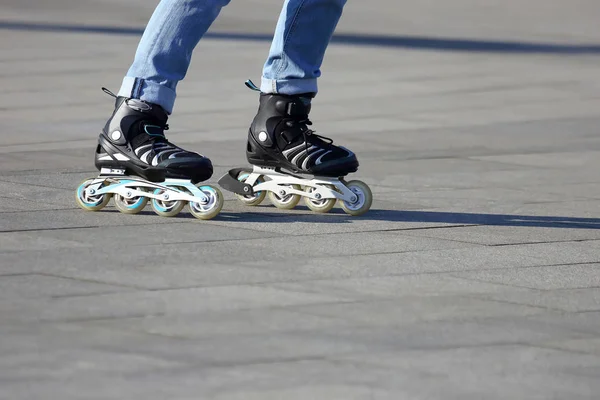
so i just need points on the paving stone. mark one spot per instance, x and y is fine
(577, 276)
(473, 276)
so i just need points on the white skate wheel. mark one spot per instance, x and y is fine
(322, 205)
(90, 202)
(166, 208)
(130, 206)
(364, 199)
(256, 198)
(212, 207)
(286, 201)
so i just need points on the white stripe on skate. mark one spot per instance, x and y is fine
(288, 151)
(144, 156)
(307, 159)
(303, 152)
(121, 157)
(139, 149)
(319, 159)
(177, 152)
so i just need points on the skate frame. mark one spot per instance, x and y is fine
(127, 186)
(280, 183)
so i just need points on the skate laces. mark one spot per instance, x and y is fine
(309, 135)
(156, 137)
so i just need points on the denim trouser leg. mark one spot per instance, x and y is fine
(165, 50)
(303, 32)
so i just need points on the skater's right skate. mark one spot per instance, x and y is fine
(283, 150)
(138, 163)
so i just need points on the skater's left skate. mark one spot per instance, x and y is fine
(290, 161)
(137, 163)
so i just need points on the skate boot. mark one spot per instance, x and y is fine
(138, 163)
(279, 137)
(283, 150)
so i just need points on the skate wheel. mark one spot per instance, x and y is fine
(256, 198)
(87, 201)
(364, 199)
(166, 208)
(287, 201)
(212, 207)
(130, 206)
(322, 205)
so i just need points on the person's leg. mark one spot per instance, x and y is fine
(165, 50)
(133, 137)
(303, 32)
(279, 135)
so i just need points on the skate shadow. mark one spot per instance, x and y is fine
(337, 216)
(263, 215)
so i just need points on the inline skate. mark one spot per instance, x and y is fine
(290, 162)
(137, 164)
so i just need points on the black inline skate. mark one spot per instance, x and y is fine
(282, 149)
(138, 163)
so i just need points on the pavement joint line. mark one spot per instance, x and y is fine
(82, 295)
(546, 241)
(533, 266)
(544, 346)
(49, 229)
(449, 273)
(28, 211)
(40, 172)
(99, 318)
(372, 364)
(85, 227)
(575, 288)
(278, 235)
(298, 309)
(508, 244)
(50, 275)
(333, 279)
(336, 359)
(483, 296)
(67, 72)
(15, 274)
(501, 283)
(83, 141)
(162, 314)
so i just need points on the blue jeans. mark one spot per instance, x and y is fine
(165, 50)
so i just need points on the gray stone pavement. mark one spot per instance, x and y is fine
(475, 276)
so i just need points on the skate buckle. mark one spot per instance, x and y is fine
(230, 182)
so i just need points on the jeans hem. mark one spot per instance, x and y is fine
(288, 86)
(148, 91)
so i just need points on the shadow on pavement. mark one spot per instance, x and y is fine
(410, 42)
(337, 216)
